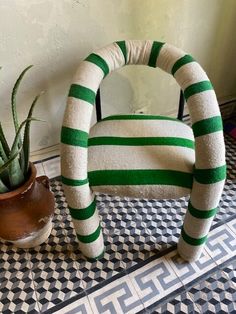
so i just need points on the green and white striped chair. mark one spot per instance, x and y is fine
(143, 155)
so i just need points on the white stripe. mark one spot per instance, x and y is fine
(142, 128)
(140, 157)
(113, 56)
(143, 191)
(168, 56)
(74, 162)
(76, 109)
(196, 227)
(206, 195)
(214, 155)
(189, 252)
(88, 75)
(93, 249)
(78, 196)
(203, 106)
(189, 74)
(138, 51)
(87, 226)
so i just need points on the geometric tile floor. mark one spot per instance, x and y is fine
(140, 271)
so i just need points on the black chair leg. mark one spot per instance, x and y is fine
(181, 106)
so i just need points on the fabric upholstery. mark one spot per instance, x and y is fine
(208, 172)
(130, 155)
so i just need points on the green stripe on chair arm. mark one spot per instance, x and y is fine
(207, 126)
(140, 177)
(74, 137)
(73, 182)
(182, 61)
(83, 93)
(122, 46)
(140, 141)
(193, 241)
(83, 213)
(98, 61)
(156, 48)
(139, 117)
(209, 176)
(91, 237)
(197, 88)
(202, 214)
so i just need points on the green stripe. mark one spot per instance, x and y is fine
(208, 176)
(207, 126)
(202, 214)
(140, 141)
(192, 241)
(83, 213)
(73, 182)
(74, 137)
(182, 61)
(139, 117)
(91, 237)
(122, 46)
(83, 93)
(156, 48)
(197, 88)
(99, 61)
(140, 177)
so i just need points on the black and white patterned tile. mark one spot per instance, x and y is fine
(181, 304)
(216, 294)
(118, 296)
(54, 272)
(187, 272)
(154, 281)
(17, 290)
(221, 244)
(80, 306)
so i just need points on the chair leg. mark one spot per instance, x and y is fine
(89, 233)
(194, 233)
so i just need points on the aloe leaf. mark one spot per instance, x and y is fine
(15, 172)
(13, 97)
(4, 166)
(26, 140)
(2, 153)
(4, 141)
(14, 112)
(4, 176)
(3, 188)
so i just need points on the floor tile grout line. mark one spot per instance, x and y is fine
(33, 281)
(197, 305)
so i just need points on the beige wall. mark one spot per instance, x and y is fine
(55, 35)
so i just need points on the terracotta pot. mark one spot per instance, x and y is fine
(26, 213)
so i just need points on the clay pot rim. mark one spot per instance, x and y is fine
(25, 186)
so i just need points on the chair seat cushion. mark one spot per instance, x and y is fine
(141, 156)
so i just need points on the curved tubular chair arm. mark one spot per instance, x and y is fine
(210, 169)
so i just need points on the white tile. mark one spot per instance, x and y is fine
(119, 296)
(154, 281)
(221, 244)
(189, 271)
(40, 170)
(80, 306)
(52, 167)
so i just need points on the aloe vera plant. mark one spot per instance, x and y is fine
(14, 160)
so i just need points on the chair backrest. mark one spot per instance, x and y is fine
(210, 169)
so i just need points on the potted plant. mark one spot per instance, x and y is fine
(26, 203)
